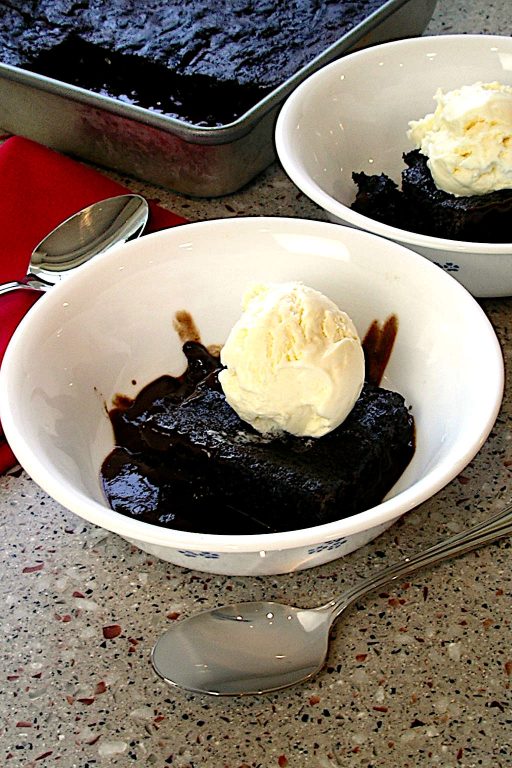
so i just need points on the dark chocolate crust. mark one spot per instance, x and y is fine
(169, 55)
(419, 206)
(185, 459)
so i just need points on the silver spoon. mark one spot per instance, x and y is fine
(251, 648)
(80, 237)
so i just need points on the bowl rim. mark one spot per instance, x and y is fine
(287, 122)
(384, 513)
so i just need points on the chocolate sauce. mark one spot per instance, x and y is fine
(377, 347)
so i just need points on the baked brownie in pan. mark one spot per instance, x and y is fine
(228, 54)
(184, 459)
(175, 136)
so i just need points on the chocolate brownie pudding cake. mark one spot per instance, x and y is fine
(457, 182)
(204, 62)
(184, 459)
(419, 206)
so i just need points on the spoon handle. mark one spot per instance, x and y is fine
(19, 286)
(491, 529)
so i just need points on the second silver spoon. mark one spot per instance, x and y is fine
(83, 235)
(250, 648)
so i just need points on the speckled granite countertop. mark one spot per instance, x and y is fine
(419, 675)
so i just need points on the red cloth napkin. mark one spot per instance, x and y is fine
(39, 188)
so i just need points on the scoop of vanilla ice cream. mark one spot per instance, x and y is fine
(468, 139)
(294, 361)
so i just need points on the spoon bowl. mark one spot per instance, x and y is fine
(243, 648)
(259, 647)
(80, 237)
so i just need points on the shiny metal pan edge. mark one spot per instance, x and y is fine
(192, 160)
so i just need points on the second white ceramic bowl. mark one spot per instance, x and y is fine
(353, 115)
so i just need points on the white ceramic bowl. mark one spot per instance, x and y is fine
(109, 325)
(353, 115)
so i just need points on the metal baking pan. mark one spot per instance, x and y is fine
(193, 160)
